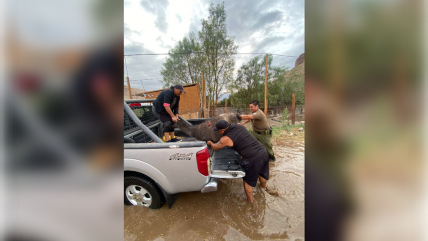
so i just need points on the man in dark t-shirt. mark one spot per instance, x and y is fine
(255, 159)
(165, 108)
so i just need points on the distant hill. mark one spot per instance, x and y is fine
(300, 60)
(299, 68)
(134, 92)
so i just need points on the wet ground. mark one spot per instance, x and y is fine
(226, 214)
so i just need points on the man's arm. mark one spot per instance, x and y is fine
(254, 116)
(223, 142)
(166, 103)
(247, 117)
(245, 122)
(173, 117)
(168, 109)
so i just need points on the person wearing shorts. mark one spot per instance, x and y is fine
(165, 108)
(255, 159)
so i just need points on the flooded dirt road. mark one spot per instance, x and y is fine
(226, 214)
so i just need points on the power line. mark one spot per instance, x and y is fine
(208, 54)
(147, 79)
(159, 78)
(154, 54)
(141, 80)
(269, 54)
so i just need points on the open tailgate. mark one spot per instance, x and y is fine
(225, 163)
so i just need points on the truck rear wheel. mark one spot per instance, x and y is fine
(142, 192)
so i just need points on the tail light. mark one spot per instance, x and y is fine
(202, 160)
(134, 104)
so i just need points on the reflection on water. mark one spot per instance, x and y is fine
(226, 214)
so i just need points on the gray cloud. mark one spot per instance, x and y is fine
(195, 24)
(287, 61)
(136, 48)
(265, 43)
(143, 71)
(157, 8)
(161, 43)
(127, 32)
(244, 18)
(179, 18)
(267, 18)
(143, 67)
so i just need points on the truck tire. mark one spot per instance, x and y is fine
(142, 192)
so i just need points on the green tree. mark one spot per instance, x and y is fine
(212, 54)
(219, 49)
(250, 82)
(282, 83)
(223, 102)
(183, 68)
(282, 88)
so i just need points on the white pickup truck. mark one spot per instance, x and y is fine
(157, 171)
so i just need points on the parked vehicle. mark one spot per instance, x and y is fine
(157, 172)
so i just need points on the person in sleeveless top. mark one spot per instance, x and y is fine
(255, 159)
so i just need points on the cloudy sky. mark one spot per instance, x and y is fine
(155, 26)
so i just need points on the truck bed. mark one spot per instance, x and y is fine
(224, 163)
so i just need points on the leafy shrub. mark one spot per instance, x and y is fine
(284, 117)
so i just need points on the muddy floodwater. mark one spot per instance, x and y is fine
(226, 214)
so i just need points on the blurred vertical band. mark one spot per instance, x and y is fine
(63, 116)
(364, 99)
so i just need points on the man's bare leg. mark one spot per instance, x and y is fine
(248, 191)
(171, 135)
(166, 135)
(262, 182)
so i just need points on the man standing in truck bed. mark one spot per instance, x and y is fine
(261, 129)
(165, 108)
(255, 159)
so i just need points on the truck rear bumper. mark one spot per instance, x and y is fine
(211, 186)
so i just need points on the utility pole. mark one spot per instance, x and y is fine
(127, 80)
(129, 87)
(203, 94)
(225, 110)
(266, 104)
(206, 103)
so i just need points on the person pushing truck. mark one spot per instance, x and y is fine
(255, 159)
